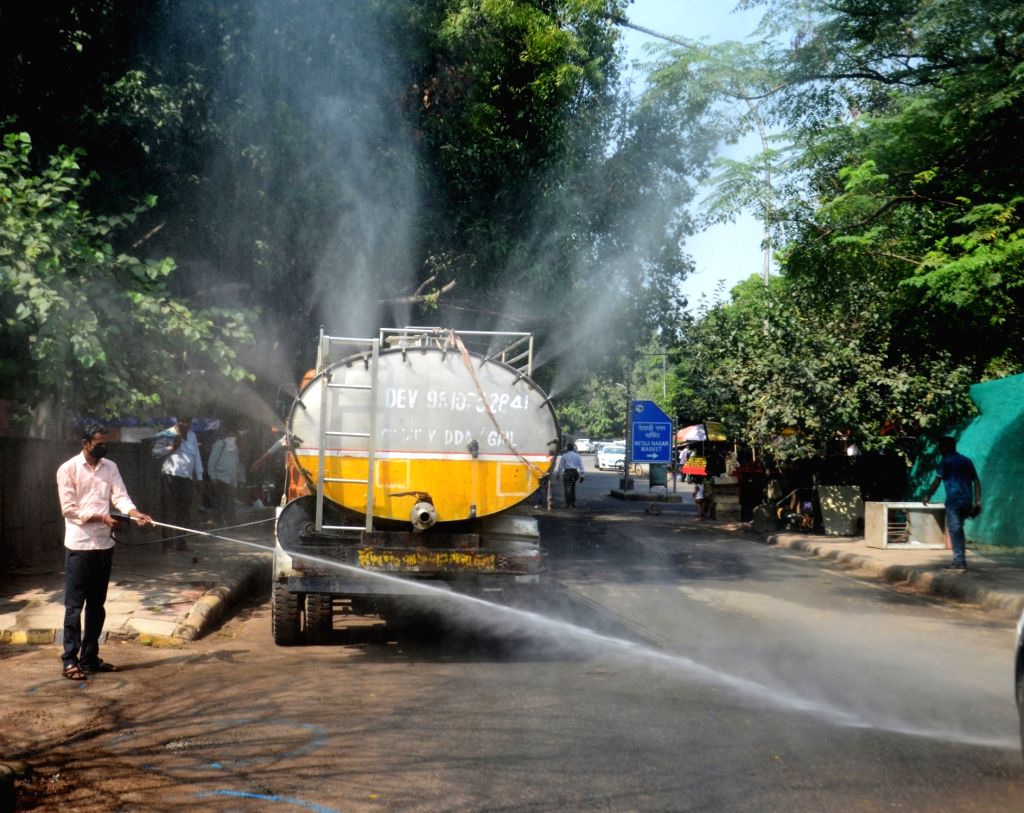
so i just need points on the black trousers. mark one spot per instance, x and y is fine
(569, 479)
(176, 504)
(86, 576)
(223, 503)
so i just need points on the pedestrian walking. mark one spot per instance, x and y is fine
(570, 466)
(87, 484)
(698, 500)
(963, 496)
(181, 468)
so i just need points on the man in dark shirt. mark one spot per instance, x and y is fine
(963, 496)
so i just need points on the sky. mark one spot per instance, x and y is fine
(730, 252)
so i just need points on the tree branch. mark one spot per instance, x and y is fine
(418, 295)
(147, 235)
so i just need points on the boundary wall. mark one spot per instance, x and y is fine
(31, 526)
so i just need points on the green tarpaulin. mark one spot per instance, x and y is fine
(994, 440)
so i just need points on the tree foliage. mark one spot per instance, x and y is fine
(86, 323)
(904, 156)
(325, 160)
(789, 373)
(894, 210)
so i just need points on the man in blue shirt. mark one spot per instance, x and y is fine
(963, 496)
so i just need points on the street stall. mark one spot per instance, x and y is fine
(702, 450)
(697, 444)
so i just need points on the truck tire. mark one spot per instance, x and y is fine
(319, 617)
(286, 616)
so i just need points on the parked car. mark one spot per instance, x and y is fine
(584, 445)
(611, 456)
(1019, 675)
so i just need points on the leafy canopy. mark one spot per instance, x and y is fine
(83, 321)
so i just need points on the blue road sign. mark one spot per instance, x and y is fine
(651, 432)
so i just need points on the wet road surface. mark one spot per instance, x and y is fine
(661, 667)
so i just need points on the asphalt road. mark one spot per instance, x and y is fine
(662, 667)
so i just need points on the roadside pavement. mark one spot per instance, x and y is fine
(994, 578)
(155, 597)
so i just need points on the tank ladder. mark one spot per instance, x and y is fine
(370, 350)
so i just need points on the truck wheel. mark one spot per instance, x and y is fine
(319, 617)
(286, 616)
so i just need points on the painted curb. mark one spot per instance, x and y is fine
(640, 496)
(944, 585)
(208, 611)
(211, 607)
(36, 637)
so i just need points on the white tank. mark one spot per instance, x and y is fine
(469, 434)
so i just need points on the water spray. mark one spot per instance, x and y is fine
(780, 699)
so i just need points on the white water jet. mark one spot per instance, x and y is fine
(527, 621)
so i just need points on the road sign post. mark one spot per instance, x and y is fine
(650, 433)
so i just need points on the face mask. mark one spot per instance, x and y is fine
(229, 444)
(99, 450)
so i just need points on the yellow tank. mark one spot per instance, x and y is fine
(428, 421)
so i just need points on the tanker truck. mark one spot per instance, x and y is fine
(414, 454)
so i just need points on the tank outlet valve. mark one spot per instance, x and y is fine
(424, 515)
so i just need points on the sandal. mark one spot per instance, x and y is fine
(74, 672)
(99, 666)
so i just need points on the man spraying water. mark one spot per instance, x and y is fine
(87, 484)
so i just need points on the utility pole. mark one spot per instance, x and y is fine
(627, 479)
(664, 370)
(627, 460)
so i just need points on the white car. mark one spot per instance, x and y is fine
(611, 456)
(584, 446)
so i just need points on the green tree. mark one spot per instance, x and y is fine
(85, 323)
(597, 408)
(788, 371)
(342, 161)
(893, 209)
(901, 116)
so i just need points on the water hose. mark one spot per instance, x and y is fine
(192, 531)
